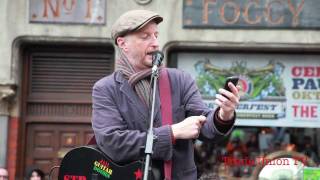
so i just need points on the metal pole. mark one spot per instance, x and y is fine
(149, 142)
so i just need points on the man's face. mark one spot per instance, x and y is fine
(138, 45)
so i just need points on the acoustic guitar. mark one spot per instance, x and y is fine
(89, 163)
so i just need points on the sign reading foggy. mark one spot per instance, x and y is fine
(251, 14)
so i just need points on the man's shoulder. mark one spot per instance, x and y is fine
(175, 72)
(105, 82)
(178, 74)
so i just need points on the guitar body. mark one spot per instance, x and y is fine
(89, 163)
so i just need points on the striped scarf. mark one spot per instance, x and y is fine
(138, 80)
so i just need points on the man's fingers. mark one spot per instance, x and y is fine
(198, 124)
(225, 92)
(233, 88)
(225, 105)
(202, 118)
(229, 97)
(222, 99)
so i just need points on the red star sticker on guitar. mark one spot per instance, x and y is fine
(138, 174)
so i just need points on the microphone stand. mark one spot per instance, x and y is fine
(149, 142)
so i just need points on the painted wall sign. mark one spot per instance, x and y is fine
(292, 14)
(67, 11)
(277, 89)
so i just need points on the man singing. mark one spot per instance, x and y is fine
(121, 104)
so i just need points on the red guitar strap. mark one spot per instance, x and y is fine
(166, 111)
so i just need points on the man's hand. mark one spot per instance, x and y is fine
(188, 128)
(229, 103)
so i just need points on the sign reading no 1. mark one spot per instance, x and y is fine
(67, 11)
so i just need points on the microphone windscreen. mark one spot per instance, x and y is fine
(157, 57)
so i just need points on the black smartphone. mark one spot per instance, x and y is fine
(234, 80)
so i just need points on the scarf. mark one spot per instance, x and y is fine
(138, 80)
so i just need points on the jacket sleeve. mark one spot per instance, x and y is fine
(195, 106)
(113, 136)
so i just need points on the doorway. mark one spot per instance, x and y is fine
(56, 99)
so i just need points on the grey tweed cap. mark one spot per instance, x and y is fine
(132, 21)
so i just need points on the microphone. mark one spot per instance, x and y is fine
(157, 57)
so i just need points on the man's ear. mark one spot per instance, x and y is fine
(122, 44)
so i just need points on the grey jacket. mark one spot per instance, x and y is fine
(120, 122)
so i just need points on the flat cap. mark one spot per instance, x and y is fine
(132, 21)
